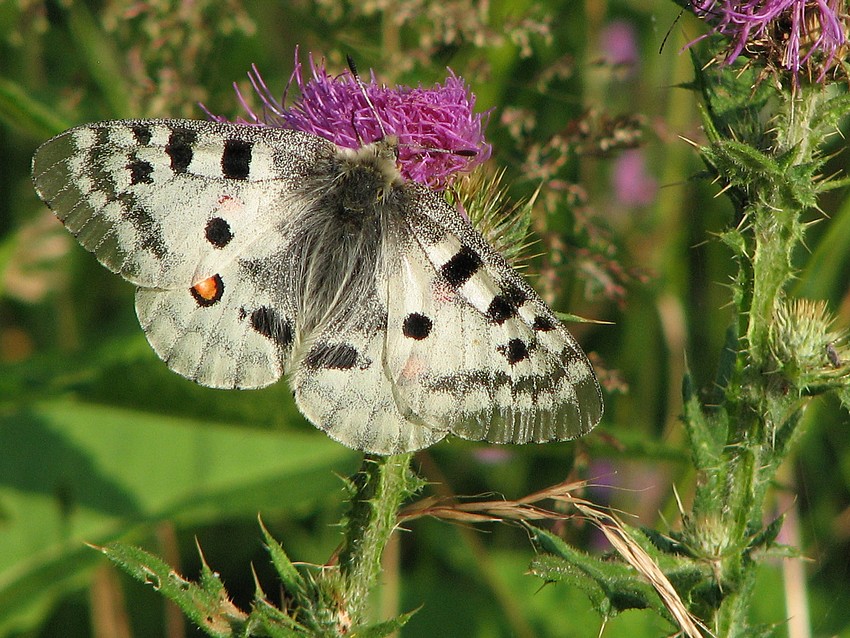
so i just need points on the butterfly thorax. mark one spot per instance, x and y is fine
(366, 175)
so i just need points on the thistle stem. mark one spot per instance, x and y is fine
(381, 485)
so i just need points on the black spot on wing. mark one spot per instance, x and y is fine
(338, 356)
(236, 159)
(142, 134)
(416, 326)
(101, 136)
(515, 351)
(140, 171)
(505, 305)
(543, 324)
(179, 148)
(271, 325)
(148, 230)
(458, 270)
(218, 232)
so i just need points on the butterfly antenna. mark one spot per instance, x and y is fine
(670, 29)
(353, 68)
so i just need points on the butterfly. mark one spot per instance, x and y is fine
(259, 252)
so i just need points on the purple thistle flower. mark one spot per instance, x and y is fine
(795, 34)
(439, 135)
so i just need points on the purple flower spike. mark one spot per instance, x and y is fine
(795, 34)
(439, 135)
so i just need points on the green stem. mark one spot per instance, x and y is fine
(771, 270)
(381, 485)
(739, 445)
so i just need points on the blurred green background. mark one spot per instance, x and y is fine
(99, 441)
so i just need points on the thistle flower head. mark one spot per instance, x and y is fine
(804, 344)
(795, 35)
(439, 135)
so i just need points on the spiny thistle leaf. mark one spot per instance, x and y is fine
(610, 586)
(707, 433)
(830, 114)
(205, 603)
(731, 102)
(504, 222)
(766, 538)
(268, 620)
(292, 581)
(381, 629)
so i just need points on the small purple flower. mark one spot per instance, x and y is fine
(633, 185)
(439, 135)
(619, 45)
(795, 34)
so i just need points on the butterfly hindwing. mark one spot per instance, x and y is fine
(472, 345)
(234, 330)
(343, 387)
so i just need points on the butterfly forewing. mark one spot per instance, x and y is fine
(472, 345)
(164, 202)
(176, 207)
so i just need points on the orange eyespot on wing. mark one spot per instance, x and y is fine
(208, 291)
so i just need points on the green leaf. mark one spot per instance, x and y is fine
(292, 581)
(734, 100)
(206, 604)
(707, 432)
(385, 628)
(830, 114)
(273, 622)
(611, 586)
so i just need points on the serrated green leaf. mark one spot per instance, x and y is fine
(744, 160)
(725, 368)
(205, 604)
(292, 581)
(830, 114)
(611, 586)
(767, 537)
(556, 569)
(273, 622)
(385, 628)
(706, 432)
(733, 99)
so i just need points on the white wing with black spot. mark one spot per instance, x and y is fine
(198, 215)
(471, 345)
(343, 386)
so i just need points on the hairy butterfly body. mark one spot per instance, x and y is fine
(259, 252)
